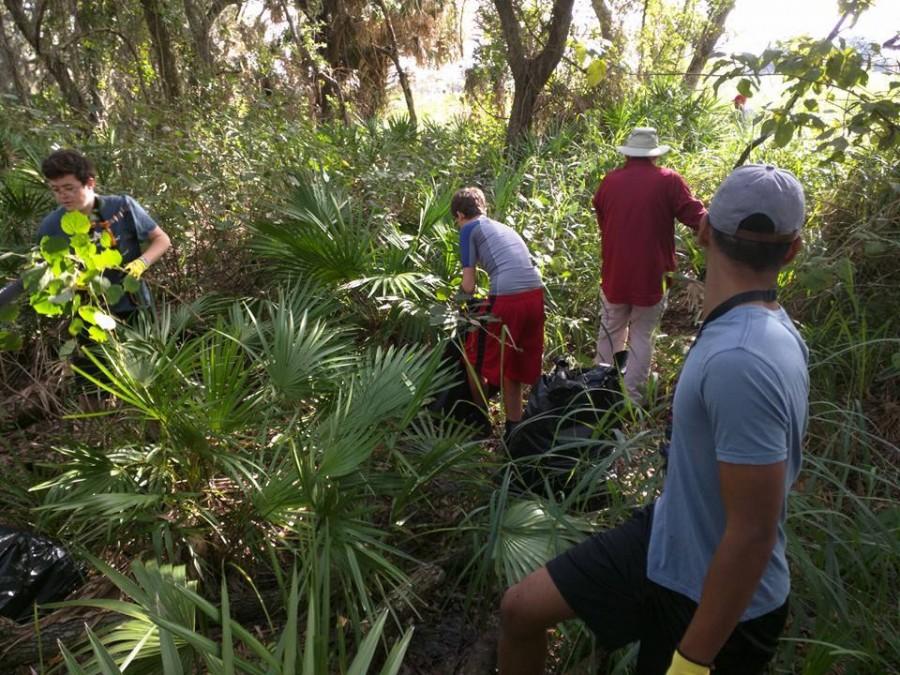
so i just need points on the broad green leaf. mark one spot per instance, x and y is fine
(75, 222)
(783, 134)
(54, 248)
(108, 258)
(596, 71)
(131, 284)
(9, 312)
(63, 297)
(113, 294)
(47, 308)
(37, 278)
(100, 284)
(75, 326)
(87, 313)
(68, 346)
(10, 342)
(98, 334)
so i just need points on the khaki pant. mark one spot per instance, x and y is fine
(636, 326)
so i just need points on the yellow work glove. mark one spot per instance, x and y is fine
(682, 666)
(136, 268)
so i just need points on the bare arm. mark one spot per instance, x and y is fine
(753, 496)
(158, 243)
(468, 280)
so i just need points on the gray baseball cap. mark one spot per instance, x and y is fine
(763, 189)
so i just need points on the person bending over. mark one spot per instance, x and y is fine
(505, 351)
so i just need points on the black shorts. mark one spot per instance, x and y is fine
(604, 580)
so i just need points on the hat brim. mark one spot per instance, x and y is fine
(643, 152)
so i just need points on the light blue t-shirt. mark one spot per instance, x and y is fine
(501, 252)
(742, 398)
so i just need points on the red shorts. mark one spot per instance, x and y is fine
(513, 346)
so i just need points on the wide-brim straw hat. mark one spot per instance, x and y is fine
(643, 142)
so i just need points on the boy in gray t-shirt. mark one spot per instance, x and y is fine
(700, 577)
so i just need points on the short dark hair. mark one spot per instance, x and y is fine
(68, 162)
(760, 256)
(468, 201)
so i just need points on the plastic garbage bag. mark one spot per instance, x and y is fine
(456, 402)
(568, 409)
(33, 569)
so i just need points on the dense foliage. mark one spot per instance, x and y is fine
(261, 439)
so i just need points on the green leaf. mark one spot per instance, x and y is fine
(131, 284)
(105, 239)
(54, 248)
(98, 334)
(395, 658)
(9, 342)
(64, 297)
(596, 72)
(104, 660)
(47, 308)
(68, 346)
(113, 294)
(366, 651)
(37, 278)
(9, 312)
(76, 325)
(75, 222)
(108, 258)
(783, 134)
(100, 284)
(87, 312)
(745, 87)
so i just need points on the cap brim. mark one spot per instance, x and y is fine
(643, 152)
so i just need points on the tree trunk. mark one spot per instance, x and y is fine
(641, 38)
(319, 96)
(200, 22)
(12, 65)
(88, 57)
(394, 53)
(707, 42)
(199, 35)
(530, 73)
(605, 17)
(161, 41)
(49, 58)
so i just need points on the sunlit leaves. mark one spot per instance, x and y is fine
(818, 74)
(75, 222)
(65, 278)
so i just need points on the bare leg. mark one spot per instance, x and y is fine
(527, 610)
(512, 400)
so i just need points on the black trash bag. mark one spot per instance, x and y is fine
(456, 402)
(33, 569)
(565, 410)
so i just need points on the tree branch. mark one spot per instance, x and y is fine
(762, 138)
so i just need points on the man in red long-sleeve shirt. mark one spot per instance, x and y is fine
(636, 207)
